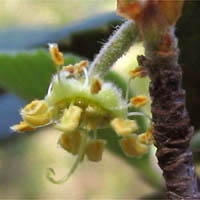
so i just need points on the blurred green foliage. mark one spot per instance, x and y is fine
(28, 74)
(39, 12)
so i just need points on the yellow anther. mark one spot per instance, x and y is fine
(56, 55)
(81, 65)
(36, 113)
(22, 127)
(147, 138)
(38, 120)
(124, 127)
(69, 68)
(77, 68)
(138, 72)
(94, 150)
(71, 142)
(132, 147)
(94, 118)
(139, 101)
(36, 107)
(70, 119)
(96, 86)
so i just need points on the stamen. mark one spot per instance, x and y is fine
(56, 55)
(50, 89)
(96, 86)
(51, 172)
(86, 77)
(139, 101)
(139, 114)
(58, 74)
(127, 90)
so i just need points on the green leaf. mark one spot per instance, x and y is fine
(28, 74)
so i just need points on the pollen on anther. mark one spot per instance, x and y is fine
(139, 101)
(56, 55)
(96, 86)
(138, 72)
(22, 127)
(124, 127)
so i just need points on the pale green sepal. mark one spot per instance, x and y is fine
(72, 90)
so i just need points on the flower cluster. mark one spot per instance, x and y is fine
(78, 105)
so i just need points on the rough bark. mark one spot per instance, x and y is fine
(171, 125)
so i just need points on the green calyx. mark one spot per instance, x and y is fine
(108, 100)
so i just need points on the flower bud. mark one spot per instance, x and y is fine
(129, 8)
(172, 9)
(138, 10)
(153, 17)
(94, 150)
(132, 147)
(124, 127)
(36, 113)
(71, 142)
(70, 119)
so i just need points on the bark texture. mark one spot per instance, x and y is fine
(172, 129)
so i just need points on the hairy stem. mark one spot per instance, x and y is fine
(116, 46)
(171, 124)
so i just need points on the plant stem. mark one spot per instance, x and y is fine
(116, 46)
(171, 124)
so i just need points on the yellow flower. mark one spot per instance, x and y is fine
(36, 113)
(78, 105)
